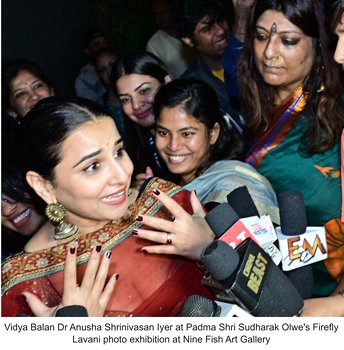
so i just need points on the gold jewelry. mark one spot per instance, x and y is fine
(56, 213)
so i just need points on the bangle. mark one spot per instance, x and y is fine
(341, 292)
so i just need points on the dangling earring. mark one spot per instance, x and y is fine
(56, 213)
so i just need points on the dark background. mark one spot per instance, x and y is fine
(51, 32)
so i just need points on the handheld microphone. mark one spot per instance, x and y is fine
(232, 229)
(199, 306)
(300, 245)
(251, 280)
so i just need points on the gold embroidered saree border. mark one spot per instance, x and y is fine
(26, 266)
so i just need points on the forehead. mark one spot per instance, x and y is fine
(130, 82)
(177, 116)
(23, 76)
(89, 137)
(281, 22)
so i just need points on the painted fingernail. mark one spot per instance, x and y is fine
(108, 254)
(116, 276)
(98, 248)
(156, 191)
(139, 218)
(135, 232)
(72, 250)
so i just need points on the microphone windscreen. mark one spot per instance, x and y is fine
(302, 279)
(221, 218)
(292, 213)
(199, 306)
(241, 201)
(220, 259)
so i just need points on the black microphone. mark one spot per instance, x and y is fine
(251, 279)
(198, 306)
(300, 245)
(241, 201)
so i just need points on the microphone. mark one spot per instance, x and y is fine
(198, 306)
(300, 245)
(241, 201)
(232, 229)
(251, 280)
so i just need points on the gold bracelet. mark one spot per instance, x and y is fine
(341, 292)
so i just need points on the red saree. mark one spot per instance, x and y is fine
(149, 284)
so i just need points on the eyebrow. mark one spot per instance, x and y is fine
(137, 88)
(93, 154)
(182, 129)
(281, 32)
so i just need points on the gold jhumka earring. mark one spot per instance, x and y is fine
(56, 213)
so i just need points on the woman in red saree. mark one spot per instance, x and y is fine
(79, 161)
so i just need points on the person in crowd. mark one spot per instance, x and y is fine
(24, 83)
(204, 25)
(290, 91)
(137, 76)
(88, 83)
(196, 143)
(104, 60)
(337, 24)
(20, 217)
(165, 44)
(78, 166)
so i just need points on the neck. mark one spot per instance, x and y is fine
(213, 63)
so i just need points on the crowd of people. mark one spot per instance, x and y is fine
(130, 166)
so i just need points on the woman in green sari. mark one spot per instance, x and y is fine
(291, 99)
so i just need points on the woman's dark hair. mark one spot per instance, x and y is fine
(13, 183)
(257, 97)
(11, 70)
(47, 125)
(144, 63)
(335, 11)
(199, 100)
(186, 14)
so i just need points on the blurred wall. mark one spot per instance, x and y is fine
(48, 32)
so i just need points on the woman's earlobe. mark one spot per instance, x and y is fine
(214, 133)
(42, 187)
(167, 79)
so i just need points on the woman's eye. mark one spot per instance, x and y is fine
(187, 133)
(20, 95)
(162, 133)
(261, 37)
(38, 85)
(124, 100)
(145, 91)
(92, 168)
(289, 42)
(119, 153)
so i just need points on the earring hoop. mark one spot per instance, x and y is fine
(57, 213)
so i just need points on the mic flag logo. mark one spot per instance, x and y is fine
(302, 250)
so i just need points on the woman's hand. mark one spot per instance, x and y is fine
(187, 235)
(91, 293)
(330, 306)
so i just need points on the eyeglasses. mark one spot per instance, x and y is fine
(8, 201)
